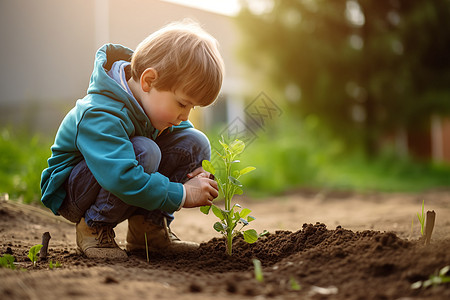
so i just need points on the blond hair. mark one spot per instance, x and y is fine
(186, 57)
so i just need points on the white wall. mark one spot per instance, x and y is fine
(48, 48)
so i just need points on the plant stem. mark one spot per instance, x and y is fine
(229, 243)
(227, 186)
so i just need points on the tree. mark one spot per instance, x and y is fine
(363, 67)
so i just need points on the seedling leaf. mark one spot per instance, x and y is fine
(245, 212)
(52, 265)
(444, 271)
(250, 218)
(237, 147)
(234, 181)
(217, 212)
(223, 144)
(247, 170)
(218, 226)
(244, 221)
(422, 218)
(32, 254)
(250, 236)
(208, 167)
(7, 261)
(205, 209)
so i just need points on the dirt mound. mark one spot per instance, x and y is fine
(346, 264)
(312, 263)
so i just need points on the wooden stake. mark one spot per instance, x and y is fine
(45, 239)
(429, 225)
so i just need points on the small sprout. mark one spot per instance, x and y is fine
(295, 286)
(7, 261)
(443, 276)
(422, 218)
(258, 270)
(264, 233)
(33, 254)
(52, 265)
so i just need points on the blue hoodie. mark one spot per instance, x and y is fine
(98, 129)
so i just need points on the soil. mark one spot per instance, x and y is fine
(321, 245)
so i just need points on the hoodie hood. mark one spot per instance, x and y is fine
(103, 84)
(108, 61)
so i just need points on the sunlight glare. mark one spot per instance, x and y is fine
(223, 7)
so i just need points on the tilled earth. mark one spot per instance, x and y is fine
(307, 260)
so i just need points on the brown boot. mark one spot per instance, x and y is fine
(159, 239)
(98, 242)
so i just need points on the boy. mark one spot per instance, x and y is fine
(127, 149)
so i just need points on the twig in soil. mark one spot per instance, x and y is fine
(146, 246)
(431, 217)
(44, 250)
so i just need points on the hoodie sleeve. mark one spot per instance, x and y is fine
(105, 145)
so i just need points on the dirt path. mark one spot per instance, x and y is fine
(309, 254)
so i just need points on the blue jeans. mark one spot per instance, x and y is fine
(173, 154)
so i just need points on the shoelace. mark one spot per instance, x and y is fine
(105, 236)
(169, 234)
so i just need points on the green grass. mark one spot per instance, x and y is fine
(22, 159)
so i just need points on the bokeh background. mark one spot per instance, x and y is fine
(327, 94)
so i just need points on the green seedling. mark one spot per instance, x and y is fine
(33, 254)
(7, 261)
(55, 265)
(443, 276)
(229, 185)
(258, 270)
(295, 286)
(422, 218)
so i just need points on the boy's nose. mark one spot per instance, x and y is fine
(184, 116)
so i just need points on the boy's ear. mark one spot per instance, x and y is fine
(147, 78)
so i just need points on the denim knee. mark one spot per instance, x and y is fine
(199, 142)
(147, 153)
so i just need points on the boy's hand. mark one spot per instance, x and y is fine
(199, 172)
(200, 191)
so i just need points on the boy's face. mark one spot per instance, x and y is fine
(166, 108)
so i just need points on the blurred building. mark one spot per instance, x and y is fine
(48, 49)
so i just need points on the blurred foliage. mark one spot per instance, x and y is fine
(291, 154)
(365, 68)
(300, 156)
(22, 158)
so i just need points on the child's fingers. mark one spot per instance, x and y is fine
(213, 183)
(196, 172)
